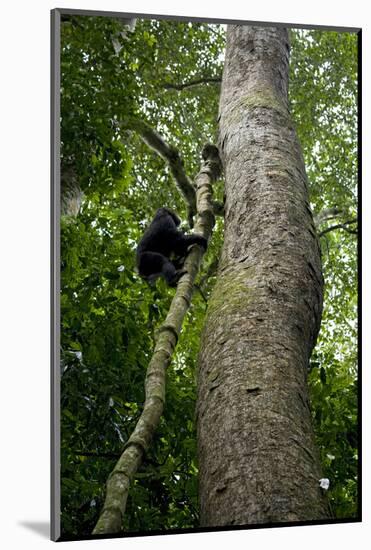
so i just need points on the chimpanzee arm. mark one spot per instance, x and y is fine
(184, 241)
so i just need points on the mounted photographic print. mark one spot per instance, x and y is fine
(205, 275)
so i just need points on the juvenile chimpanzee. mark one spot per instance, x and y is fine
(162, 247)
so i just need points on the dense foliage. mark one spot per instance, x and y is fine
(324, 106)
(109, 315)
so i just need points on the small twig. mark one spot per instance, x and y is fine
(210, 272)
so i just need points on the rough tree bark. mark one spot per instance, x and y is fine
(257, 456)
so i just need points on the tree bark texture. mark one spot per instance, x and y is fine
(257, 456)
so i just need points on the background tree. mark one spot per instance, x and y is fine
(109, 315)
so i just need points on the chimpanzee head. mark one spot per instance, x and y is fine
(166, 212)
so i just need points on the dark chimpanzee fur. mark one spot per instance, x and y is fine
(162, 248)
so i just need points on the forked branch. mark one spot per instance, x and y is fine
(172, 156)
(156, 142)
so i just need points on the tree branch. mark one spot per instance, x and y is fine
(340, 226)
(192, 83)
(110, 519)
(97, 454)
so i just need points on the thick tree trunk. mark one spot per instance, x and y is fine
(257, 456)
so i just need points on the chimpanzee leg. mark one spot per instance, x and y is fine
(170, 273)
(152, 265)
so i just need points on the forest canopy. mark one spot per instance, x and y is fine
(167, 75)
